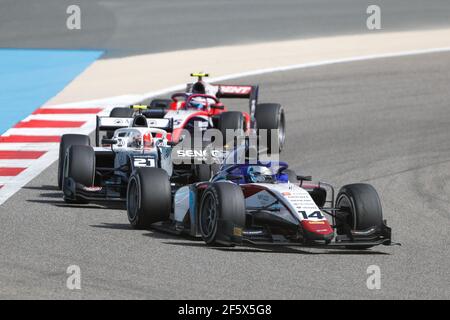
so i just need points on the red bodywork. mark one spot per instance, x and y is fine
(207, 111)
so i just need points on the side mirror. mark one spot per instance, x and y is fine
(109, 141)
(304, 178)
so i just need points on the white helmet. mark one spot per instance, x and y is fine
(259, 174)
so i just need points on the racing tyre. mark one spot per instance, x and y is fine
(230, 120)
(204, 172)
(149, 197)
(271, 116)
(121, 112)
(79, 165)
(68, 140)
(160, 103)
(222, 214)
(361, 208)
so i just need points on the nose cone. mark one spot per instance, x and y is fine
(317, 229)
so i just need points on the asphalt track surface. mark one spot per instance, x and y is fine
(385, 122)
(160, 25)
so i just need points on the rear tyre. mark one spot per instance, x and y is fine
(222, 209)
(160, 103)
(149, 197)
(360, 208)
(121, 112)
(271, 116)
(79, 165)
(67, 141)
(233, 120)
(204, 172)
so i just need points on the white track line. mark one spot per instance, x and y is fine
(16, 163)
(106, 102)
(13, 184)
(299, 66)
(29, 146)
(60, 117)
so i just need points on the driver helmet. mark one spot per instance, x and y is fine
(198, 103)
(201, 87)
(259, 174)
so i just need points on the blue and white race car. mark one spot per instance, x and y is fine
(258, 203)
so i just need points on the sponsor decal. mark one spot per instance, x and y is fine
(317, 222)
(237, 232)
(92, 189)
(191, 153)
(244, 90)
(323, 228)
(143, 162)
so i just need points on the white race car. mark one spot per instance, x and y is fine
(260, 203)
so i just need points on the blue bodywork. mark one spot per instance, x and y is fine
(242, 171)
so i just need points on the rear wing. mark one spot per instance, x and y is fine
(109, 125)
(240, 92)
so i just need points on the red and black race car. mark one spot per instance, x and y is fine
(200, 107)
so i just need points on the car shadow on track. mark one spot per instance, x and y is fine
(62, 204)
(187, 241)
(114, 226)
(285, 250)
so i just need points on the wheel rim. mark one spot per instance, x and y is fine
(208, 218)
(346, 204)
(133, 200)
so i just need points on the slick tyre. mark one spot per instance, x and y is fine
(79, 165)
(361, 208)
(67, 141)
(121, 112)
(204, 172)
(270, 116)
(222, 209)
(160, 103)
(231, 120)
(148, 197)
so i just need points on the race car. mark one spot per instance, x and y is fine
(91, 174)
(200, 107)
(260, 204)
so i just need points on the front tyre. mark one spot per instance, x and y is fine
(148, 197)
(79, 166)
(360, 208)
(68, 140)
(221, 213)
